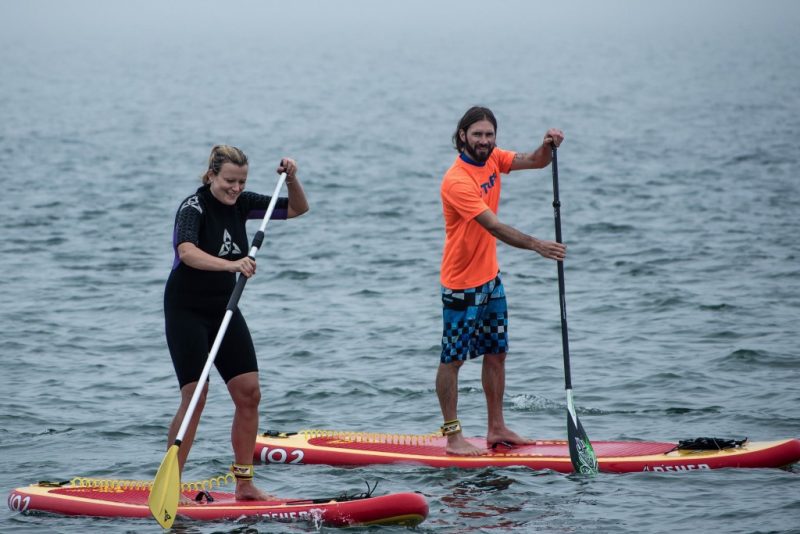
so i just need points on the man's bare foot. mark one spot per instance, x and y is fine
(457, 445)
(506, 436)
(247, 491)
(185, 501)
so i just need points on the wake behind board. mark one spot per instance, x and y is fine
(130, 500)
(363, 448)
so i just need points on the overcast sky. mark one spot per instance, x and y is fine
(476, 22)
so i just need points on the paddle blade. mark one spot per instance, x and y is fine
(581, 452)
(166, 490)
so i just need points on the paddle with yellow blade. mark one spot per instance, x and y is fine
(166, 490)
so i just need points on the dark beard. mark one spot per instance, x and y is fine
(474, 157)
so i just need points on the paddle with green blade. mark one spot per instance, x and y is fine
(581, 453)
(166, 490)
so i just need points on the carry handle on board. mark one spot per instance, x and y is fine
(166, 490)
(581, 453)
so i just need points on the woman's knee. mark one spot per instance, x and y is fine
(187, 392)
(249, 397)
(245, 391)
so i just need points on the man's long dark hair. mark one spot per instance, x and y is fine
(473, 115)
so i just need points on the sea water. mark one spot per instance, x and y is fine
(680, 207)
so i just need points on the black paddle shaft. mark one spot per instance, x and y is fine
(561, 290)
(581, 452)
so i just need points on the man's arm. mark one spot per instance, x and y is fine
(511, 236)
(540, 158)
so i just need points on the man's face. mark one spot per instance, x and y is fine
(479, 140)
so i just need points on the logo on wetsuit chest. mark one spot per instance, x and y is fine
(228, 245)
(486, 186)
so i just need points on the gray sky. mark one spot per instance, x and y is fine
(475, 22)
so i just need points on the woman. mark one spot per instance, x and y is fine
(211, 246)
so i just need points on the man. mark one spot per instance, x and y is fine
(474, 304)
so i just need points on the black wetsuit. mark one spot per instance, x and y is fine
(195, 300)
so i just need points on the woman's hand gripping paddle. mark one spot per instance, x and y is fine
(166, 490)
(581, 453)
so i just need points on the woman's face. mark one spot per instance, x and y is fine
(228, 184)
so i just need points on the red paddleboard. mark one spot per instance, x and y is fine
(408, 509)
(363, 448)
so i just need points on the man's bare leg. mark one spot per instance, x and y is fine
(493, 378)
(447, 391)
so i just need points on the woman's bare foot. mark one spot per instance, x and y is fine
(457, 445)
(247, 491)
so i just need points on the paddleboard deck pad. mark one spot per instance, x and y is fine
(364, 448)
(130, 500)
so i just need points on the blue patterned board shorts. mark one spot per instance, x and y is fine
(475, 321)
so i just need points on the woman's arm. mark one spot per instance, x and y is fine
(194, 257)
(298, 203)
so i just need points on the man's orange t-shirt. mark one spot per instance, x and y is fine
(468, 189)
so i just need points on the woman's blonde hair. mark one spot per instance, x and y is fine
(220, 155)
